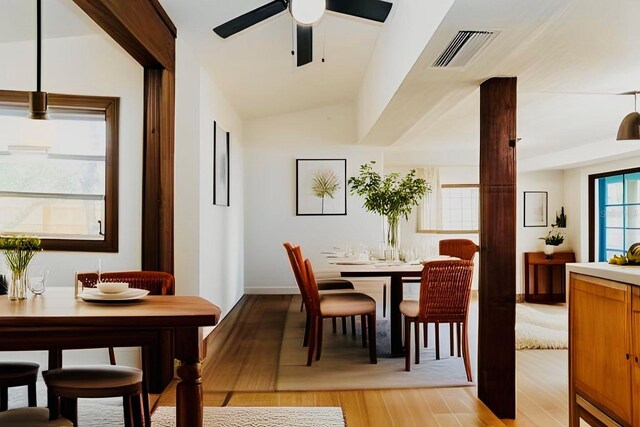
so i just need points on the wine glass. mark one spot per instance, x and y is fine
(38, 276)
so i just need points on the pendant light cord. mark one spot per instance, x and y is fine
(39, 44)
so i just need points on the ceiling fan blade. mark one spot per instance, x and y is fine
(304, 37)
(375, 10)
(245, 21)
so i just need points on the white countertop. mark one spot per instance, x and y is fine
(619, 273)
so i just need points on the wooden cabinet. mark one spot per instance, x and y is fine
(604, 344)
(544, 276)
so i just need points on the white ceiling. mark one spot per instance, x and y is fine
(255, 68)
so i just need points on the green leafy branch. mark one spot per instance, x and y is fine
(19, 251)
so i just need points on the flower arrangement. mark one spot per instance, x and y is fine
(553, 237)
(391, 196)
(18, 252)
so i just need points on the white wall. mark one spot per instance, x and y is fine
(576, 188)
(208, 238)
(272, 146)
(91, 65)
(528, 238)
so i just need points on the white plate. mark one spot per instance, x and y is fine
(128, 295)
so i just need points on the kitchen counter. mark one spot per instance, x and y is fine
(620, 273)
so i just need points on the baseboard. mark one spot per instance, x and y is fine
(276, 290)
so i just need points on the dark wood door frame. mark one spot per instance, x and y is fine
(145, 30)
(497, 285)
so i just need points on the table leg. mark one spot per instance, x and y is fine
(397, 349)
(188, 346)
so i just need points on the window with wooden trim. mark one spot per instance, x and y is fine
(59, 177)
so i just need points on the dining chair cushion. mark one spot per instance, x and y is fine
(30, 417)
(333, 284)
(93, 381)
(16, 370)
(410, 308)
(346, 304)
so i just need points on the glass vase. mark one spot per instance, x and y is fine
(17, 285)
(392, 239)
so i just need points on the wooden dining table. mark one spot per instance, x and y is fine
(57, 321)
(396, 272)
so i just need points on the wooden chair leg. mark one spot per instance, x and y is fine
(384, 301)
(407, 344)
(53, 403)
(301, 305)
(137, 412)
(459, 339)
(425, 330)
(145, 390)
(128, 411)
(334, 325)
(305, 340)
(373, 356)
(69, 409)
(4, 398)
(319, 343)
(451, 340)
(437, 340)
(416, 329)
(112, 356)
(312, 339)
(363, 325)
(344, 326)
(31, 393)
(353, 326)
(465, 352)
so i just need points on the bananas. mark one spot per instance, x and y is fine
(619, 260)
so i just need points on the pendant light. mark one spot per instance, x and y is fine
(630, 126)
(307, 12)
(38, 99)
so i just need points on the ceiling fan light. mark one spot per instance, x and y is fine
(307, 12)
(630, 127)
(38, 105)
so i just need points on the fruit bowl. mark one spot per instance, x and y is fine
(112, 287)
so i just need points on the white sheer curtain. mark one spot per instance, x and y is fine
(430, 217)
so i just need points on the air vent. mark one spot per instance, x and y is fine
(463, 47)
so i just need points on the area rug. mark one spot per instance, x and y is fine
(541, 326)
(232, 416)
(344, 364)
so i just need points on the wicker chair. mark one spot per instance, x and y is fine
(324, 285)
(157, 283)
(445, 291)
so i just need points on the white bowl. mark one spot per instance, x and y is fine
(112, 287)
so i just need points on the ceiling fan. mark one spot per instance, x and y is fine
(306, 13)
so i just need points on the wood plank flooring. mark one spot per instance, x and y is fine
(242, 362)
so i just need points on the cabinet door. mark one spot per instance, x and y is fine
(636, 354)
(600, 331)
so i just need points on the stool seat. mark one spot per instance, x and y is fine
(30, 417)
(94, 381)
(16, 374)
(14, 370)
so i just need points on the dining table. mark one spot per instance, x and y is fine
(56, 320)
(397, 272)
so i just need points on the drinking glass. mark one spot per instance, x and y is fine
(38, 276)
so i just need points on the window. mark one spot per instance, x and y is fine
(58, 178)
(453, 210)
(617, 223)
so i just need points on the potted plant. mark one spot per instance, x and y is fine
(18, 253)
(551, 240)
(391, 196)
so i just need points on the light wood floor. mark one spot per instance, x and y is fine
(241, 370)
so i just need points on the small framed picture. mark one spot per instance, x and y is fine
(321, 187)
(220, 166)
(535, 209)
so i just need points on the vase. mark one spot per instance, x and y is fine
(17, 289)
(549, 249)
(392, 240)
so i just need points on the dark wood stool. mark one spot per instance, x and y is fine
(15, 374)
(96, 381)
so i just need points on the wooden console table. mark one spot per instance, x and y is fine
(544, 276)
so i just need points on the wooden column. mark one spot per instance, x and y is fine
(497, 285)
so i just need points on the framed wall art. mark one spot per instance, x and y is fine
(535, 209)
(321, 187)
(220, 166)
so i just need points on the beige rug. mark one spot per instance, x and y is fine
(344, 364)
(541, 326)
(229, 416)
